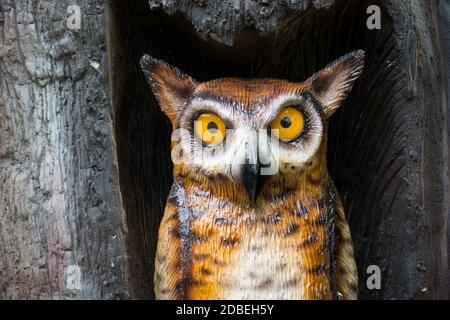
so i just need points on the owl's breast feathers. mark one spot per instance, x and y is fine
(293, 244)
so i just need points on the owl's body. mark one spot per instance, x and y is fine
(217, 239)
(286, 247)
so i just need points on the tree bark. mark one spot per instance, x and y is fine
(443, 10)
(61, 230)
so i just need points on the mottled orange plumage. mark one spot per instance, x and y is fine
(292, 241)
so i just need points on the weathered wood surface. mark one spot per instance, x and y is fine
(223, 20)
(444, 35)
(61, 230)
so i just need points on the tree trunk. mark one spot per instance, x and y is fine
(61, 230)
(84, 149)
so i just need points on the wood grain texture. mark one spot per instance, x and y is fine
(60, 208)
(223, 20)
(443, 14)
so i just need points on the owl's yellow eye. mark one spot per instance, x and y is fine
(210, 128)
(288, 124)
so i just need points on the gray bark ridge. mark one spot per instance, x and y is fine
(223, 20)
(60, 206)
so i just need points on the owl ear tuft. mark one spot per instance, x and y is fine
(170, 86)
(332, 84)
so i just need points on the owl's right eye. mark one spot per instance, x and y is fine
(210, 128)
(288, 124)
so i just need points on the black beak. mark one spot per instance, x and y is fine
(253, 180)
(250, 174)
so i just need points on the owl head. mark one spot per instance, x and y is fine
(250, 130)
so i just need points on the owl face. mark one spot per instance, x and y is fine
(249, 130)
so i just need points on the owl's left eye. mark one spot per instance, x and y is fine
(288, 124)
(210, 128)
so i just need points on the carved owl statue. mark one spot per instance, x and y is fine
(252, 212)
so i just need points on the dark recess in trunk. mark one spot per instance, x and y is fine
(377, 151)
